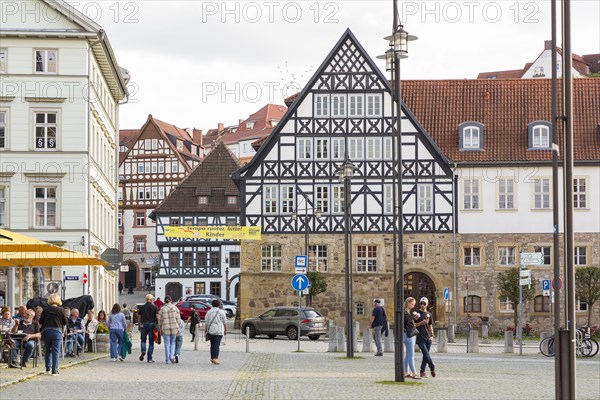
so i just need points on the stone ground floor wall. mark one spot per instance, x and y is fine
(430, 262)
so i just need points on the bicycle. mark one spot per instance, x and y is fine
(585, 346)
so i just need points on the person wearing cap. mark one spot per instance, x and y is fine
(147, 317)
(424, 325)
(378, 323)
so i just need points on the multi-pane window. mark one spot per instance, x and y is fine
(374, 148)
(322, 198)
(271, 258)
(202, 259)
(581, 305)
(338, 148)
(373, 105)
(388, 199)
(45, 207)
(418, 250)
(140, 218)
(580, 255)
(174, 222)
(506, 194)
(338, 105)
(3, 65)
(388, 150)
(2, 205)
(338, 199)
(304, 149)
(541, 193)
(188, 221)
(161, 192)
(232, 199)
(540, 136)
(120, 219)
(546, 251)
(3, 134)
(471, 194)
(505, 305)
(472, 304)
(321, 149)
(46, 61)
(140, 245)
(321, 105)
(270, 199)
(542, 304)
(356, 105)
(161, 167)
(355, 148)
(174, 259)
(215, 288)
(199, 287)
(234, 259)
(202, 200)
(287, 199)
(188, 259)
(317, 258)
(140, 168)
(360, 308)
(425, 198)
(45, 130)
(471, 137)
(472, 256)
(366, 258)
(579, 192)
(174, 167)
(507, 256)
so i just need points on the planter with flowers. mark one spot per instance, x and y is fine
(102, 338)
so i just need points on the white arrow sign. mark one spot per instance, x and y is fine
(532, 258)
(525, 273)
(525, 281)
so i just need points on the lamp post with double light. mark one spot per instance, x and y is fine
(398, 42)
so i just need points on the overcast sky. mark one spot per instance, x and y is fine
(197, 63)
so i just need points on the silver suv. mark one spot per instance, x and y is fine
(284, 321)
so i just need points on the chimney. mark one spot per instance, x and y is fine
(197, 135)
(548, 45)
(221, 127)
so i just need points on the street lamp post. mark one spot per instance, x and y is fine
(345, 174)
(398, 50)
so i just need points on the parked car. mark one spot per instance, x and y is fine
(284, 321)
(228, 306)
(184, 308)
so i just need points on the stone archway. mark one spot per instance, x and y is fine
(417, 285)
(175, 290)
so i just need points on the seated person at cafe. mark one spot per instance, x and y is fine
(7, 323)
(21, 313)
(76, 332)
(31, 329)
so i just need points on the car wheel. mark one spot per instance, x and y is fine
(314, 337)
(292, 332)
(251, 331)
(229, 313)
(272, 336)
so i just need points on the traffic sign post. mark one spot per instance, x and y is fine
(525, 279)
(299, 283)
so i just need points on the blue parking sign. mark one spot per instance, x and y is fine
(546, 284)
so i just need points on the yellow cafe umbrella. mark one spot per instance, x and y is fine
(15, 242)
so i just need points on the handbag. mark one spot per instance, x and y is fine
(207, 335)
(412, 332)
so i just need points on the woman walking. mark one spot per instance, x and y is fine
(169, 320)
(410, 338)
(53, 321)
(193, 320)
(117, 324)
(216, 322)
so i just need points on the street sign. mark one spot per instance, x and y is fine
(112, 255)
(299, 282)
(301, 261)
(300, 270)
(525, 281)
(85, 278)
(446, 293)
(546, 293)
(525, 273)
(557, 285)
(306, 291)
(546, 285)
(71, 278)
(532, 258)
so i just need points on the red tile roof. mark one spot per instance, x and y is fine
(505, 108)
(593, 60)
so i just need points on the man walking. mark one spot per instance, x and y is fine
(146, 320)
(424, 324)
(169, 320)
(378, 323)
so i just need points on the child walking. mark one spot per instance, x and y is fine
(179, 341)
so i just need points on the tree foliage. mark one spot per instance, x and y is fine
(508, 288)
(587, 287)
(318, 284)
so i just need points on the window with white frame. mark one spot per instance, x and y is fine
(3, 64)
(579, 192)
(373, 105)
(287, 199)
(388, 199)
(140, 218)
(270, 199)
(580, 255)
(179, 144)
(366, 258)
(321, 149)
(161, 167)
(356, 105)
(338, 148)
(418, 250)
(3, 133)
(147, 167)
(140, 244)
(3, 205)
(581, 305)
(322, 198)
(232, 200)
(472, 256)
(505, 305)
(45, 127)
(304, 149)
(140, 168)
(471, 194)
(161, 192)
(425, 198)
(507, 256)
(387, 148)
(541, 193)
(321, 105)
(355, 149)
(175, 167)
(271, 258)
(547, 253)
(317, 258)
(154, 167)
(540, 137)
(338, 105)
(338, 199)
(46, 61)
(45, 206)
(506, 194)
(202, 200)
(373, 148)
(471, 137)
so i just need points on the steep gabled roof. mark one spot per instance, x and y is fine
(505, 108)
(127, 137)
(212, 178)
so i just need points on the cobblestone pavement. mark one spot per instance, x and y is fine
(274, 370)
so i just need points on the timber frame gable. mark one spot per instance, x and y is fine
(346, 109)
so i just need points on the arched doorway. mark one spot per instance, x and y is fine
(131, 276)
(417, 285)
(175, 290)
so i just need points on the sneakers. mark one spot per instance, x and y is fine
(121, 359)
(424, 374)
(70, 355)
(13, 365)
(176, 359)
(378, 354)
(150, 360)
(415, 376)
(433, 373)
(114, 359)
(142, 356)
(55, 373)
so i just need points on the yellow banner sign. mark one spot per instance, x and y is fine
(214, 232)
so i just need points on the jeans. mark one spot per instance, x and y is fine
(169, 342)
(72, 338)
(116, 342)
(409, 358)
(28, 348)
(147, 333)
(52, 338)
(215, 343)
(377, 338)
(425, 347)
(178, 344)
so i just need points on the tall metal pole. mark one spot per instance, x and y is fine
(348, 263)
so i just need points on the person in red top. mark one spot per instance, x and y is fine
(158, 303)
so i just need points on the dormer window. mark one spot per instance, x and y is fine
(250, 125)
(179, 144)
(470, 136)
(274, 123)
(232, 199)
(539, 135)
(538, 72)
(202, 200)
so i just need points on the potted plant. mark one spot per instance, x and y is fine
(102, 338)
